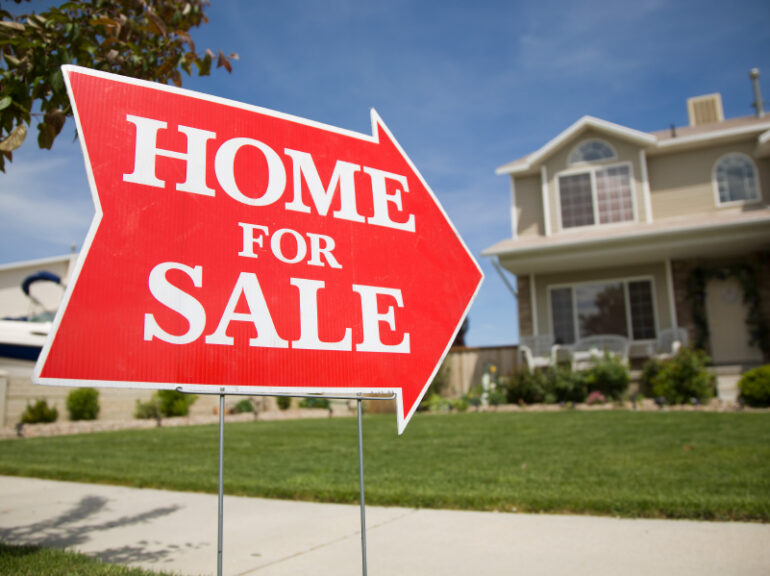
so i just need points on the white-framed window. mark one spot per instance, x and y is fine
(591, 151)
(735, 179)
(596, 195)
(621, 307)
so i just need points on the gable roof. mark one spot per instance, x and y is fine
(586, 122)
(654, 142)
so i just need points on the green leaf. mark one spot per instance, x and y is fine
(5, 102)
(57, 81)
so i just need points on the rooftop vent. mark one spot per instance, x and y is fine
(705, 109)
(758, 103)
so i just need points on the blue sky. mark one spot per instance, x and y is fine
(463, 86)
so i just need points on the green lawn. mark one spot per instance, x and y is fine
(651, 464)
(36, 561)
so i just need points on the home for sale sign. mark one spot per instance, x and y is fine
(236, 249)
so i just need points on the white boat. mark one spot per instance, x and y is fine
(22, 338)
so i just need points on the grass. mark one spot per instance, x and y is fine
(696, 465)
(37, 561)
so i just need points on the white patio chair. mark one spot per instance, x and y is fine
(591, 348)
(536, 351)
(669, 341)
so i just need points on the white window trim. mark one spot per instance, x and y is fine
(670, 293)
(533, 304)
(592, 162)
(645, 185)
(625, 280)
(514, 210)
(715, 185)
(592, 168)
(546, 203)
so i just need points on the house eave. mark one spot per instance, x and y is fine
(709, 138)
(40, 262)
(647, 243)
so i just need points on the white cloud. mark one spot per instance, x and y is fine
(45, 203)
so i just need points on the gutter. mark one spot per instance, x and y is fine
(496, 264)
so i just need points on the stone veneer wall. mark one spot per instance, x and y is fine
(525, 309)
(680, 272)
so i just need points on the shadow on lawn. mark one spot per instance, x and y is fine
(73, 527)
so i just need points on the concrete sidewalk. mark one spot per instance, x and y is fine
(177, 532)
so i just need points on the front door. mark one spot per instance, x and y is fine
(727, 314)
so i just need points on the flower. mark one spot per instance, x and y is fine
(595, 397)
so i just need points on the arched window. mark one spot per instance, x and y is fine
(591, 151)
(735, 179)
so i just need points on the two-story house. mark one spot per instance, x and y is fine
(617, 231)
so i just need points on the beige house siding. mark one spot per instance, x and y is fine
(763, 165)
(626, 154)
(17, 390)
(529, 206)
(656, 271)
(681, 184)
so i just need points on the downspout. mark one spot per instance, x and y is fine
(496, 263)
(511, 289)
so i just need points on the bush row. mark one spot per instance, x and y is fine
(682, 379)
(606, 379)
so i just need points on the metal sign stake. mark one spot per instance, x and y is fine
(220, 526)
(361, 483)
(358, 398)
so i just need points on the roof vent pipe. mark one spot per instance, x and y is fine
(758, 103)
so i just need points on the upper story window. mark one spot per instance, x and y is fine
(735, 179)
(591, 151)
(596, 195)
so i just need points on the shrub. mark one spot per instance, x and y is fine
(83, 404)
(243, 406)
(39, 412)
(174, 403)
(684, 378)
(284, 402)
(459, 404)
(754, 387)
(436, 403)
(550, 386)
(165, 403)
(148, 410)
(607, 375)
(438, 386)
(526, 387)
(473, 397)
(564, 385)
(315, 402)
(650, 370)
(496, 396)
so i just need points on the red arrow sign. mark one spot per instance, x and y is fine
(237, 249)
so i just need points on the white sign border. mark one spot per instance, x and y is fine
(377, 125)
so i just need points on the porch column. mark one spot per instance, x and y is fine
(533, 304)
(670, 292)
